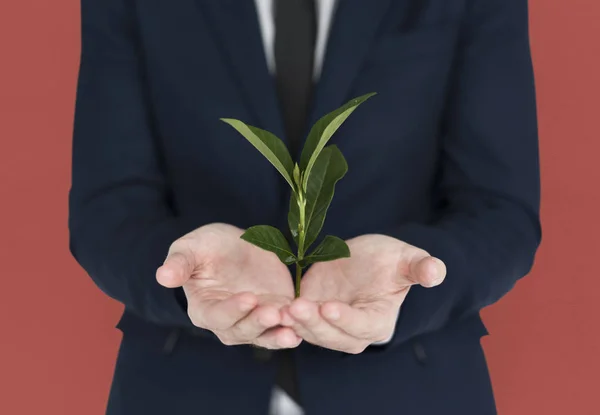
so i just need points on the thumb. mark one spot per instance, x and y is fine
(176, 270)
(426, 270)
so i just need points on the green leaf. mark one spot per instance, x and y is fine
(269, 145)
(270, 239)
(323, 130)
(297, 176)
(329, 249)
(328, 170)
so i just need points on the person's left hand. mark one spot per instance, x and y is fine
(351, 303)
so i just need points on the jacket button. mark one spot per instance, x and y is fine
(419, 351)
(171, 341)
(262, 355)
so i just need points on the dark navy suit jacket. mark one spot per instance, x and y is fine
(445, 157)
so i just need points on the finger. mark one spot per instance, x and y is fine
(426, 271)
(176, 270)
(367, 323)
(249, 328)
(278, 338)
(286, 318)
(222, 314)
(312, 327)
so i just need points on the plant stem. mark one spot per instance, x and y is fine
(301, 238)
(302, 230)
(298, 279)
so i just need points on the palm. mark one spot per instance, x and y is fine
(351, 303)
(369, 275)
(233, 288)
(228, 265)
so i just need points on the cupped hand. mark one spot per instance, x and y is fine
(233, 288)
(349, 304)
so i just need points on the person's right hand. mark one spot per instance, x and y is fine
(233, 288)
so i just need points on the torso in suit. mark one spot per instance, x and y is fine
(444, 157)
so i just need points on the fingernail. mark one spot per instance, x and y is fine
(440, 264)
(289, 340)
(267, 320)
(283, 342)
(246, 306)
(286, 319)
(332, 314)
(437, 280)
(302, 313)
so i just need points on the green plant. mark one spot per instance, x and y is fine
(312, 181)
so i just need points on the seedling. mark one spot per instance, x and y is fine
(313, 182)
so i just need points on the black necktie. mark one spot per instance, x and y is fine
(295, 34)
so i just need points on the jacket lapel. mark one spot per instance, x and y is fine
(235, 23)
(236, 26)
(354, 28)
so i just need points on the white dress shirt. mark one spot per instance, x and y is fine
(324, 9)
(281, 403)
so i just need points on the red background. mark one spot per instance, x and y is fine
(57, 340)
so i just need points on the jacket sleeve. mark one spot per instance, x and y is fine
(486, 227)
(120, 222)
